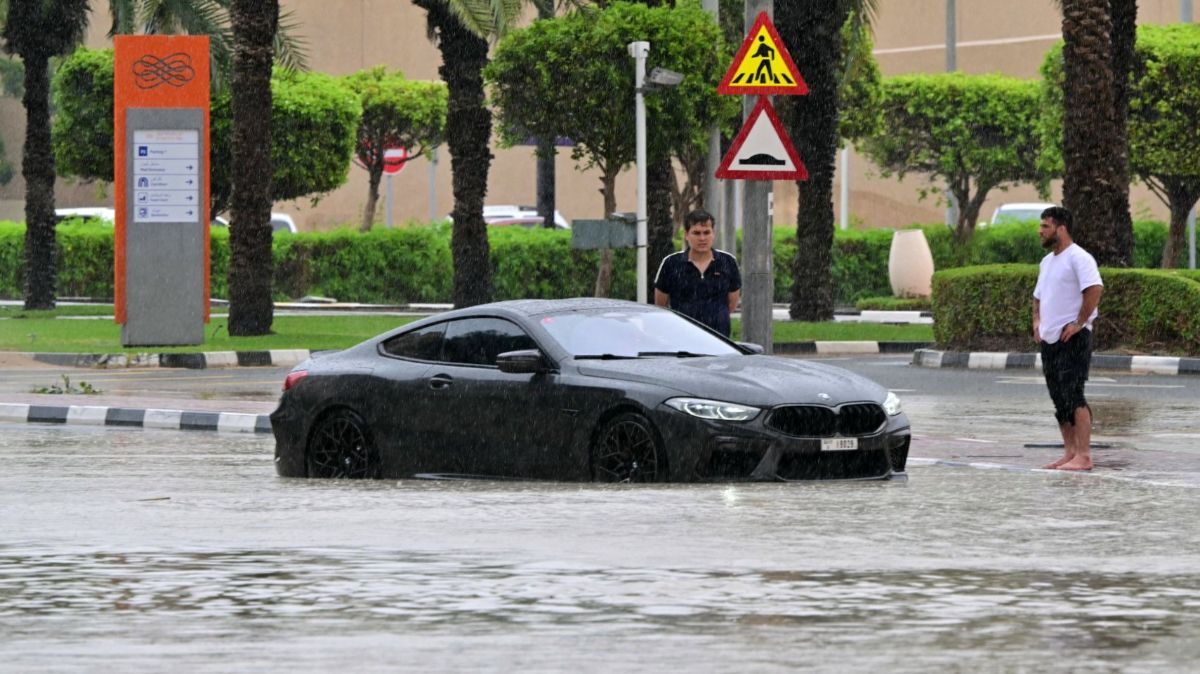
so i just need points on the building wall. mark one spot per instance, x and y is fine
(348, 35)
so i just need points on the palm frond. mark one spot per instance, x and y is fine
(291, 48)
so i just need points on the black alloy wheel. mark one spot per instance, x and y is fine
(340, 447)
(627, 450)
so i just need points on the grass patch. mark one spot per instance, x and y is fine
(60, 333)
(71, 310)
(66, 335)
(798, 331)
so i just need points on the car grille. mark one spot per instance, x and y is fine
(817, 421)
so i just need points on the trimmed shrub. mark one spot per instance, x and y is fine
(1141, 309)
(889, 303)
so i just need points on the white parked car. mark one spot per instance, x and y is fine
(280, 222)
(506, 214)
(1019, 212)
(87, 214)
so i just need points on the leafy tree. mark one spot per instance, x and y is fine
(313, 117)
(397, 112)
(254, 30)
(1098, 36)
(974, 133)
(594, 105)
(35, 31)
(1164, 104)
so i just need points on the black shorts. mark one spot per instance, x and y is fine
(1065, 366)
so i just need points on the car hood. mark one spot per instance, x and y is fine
(761, 381)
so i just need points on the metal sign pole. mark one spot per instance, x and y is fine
(639, 51)
(758, 282)
(389, 201)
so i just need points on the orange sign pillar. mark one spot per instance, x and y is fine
(161, 172)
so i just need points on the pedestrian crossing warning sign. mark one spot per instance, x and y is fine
(762, 150)
(762, 65)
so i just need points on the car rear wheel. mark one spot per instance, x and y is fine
(340, 447)
(627, 450)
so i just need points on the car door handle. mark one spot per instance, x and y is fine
(440, 381)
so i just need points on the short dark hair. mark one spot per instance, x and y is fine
(696, 217)
(1060, 216)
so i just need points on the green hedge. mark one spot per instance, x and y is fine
(1142, 309)
(410, 264)
(413, 264)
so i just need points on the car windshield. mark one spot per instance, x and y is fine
(632, 334)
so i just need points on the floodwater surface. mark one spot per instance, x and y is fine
(129, 549)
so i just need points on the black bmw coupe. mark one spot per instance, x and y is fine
(580, 389)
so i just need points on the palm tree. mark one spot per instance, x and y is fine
(812, 31)
(203, 17)
(1098, 38)
(35, 31)
(254, 28)
(461, 28)
(457, 31)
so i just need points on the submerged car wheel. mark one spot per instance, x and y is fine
(340, 447)
(627, 450)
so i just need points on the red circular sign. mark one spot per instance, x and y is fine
(394, 159)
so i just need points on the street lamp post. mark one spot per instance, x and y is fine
(639, 51)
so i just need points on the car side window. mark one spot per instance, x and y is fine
(422, 344)
(477, 341)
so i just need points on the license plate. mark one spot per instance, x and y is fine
(838, 444)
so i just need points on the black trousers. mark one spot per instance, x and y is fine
(1065, 366)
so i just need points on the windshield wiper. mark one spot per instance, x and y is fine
(677, 354)
(604, 356)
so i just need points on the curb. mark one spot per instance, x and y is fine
(844, 348)
(87, 415)
(988, 360)
(191, 361)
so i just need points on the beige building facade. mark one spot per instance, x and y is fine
(343, 36)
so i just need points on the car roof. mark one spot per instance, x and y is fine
(1023, 206)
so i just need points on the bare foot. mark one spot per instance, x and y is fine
(1065, 459)
(1077, 463)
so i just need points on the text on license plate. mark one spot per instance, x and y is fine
(838, 444)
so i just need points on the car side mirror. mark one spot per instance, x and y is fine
(526, 361)
(750, 347)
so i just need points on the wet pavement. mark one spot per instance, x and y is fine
(129, 549)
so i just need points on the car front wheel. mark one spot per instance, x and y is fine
(627, 450)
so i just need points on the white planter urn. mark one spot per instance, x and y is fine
(910, 264)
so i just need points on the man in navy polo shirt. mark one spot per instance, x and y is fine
(700, 281)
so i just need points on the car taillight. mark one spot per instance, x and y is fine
(294, 378)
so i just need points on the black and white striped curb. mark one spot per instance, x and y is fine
(848, 347)
(87, 415)
(193, 361)
(988, 360)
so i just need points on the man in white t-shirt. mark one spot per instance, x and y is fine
(1064, 308)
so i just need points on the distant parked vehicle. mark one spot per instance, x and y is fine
(280, 222)
(88, 214)
(507, 214)
(1019, 212)
(526, 221)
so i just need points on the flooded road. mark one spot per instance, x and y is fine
(126, 549)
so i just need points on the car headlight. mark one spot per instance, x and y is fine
(891, 404)
(713, 409)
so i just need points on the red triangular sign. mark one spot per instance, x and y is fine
(762, 150)
(767, 70)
